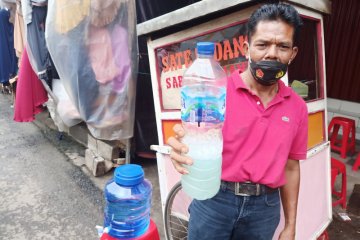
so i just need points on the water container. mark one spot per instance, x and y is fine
(203, 95)
(128, 202)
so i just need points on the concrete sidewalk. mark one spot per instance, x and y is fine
(43, 195)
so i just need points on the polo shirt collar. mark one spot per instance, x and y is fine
(238, 81)
(284, 91)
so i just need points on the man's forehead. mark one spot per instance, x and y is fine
(274, 23)
(269, 28)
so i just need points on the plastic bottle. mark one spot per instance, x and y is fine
(128, 202)
(203, 95)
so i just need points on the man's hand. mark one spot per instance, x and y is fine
(287, 234)
(178, 150)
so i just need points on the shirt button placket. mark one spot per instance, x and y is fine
(258, 103)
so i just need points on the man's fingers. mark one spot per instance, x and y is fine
(179, 130)
(178, 167)
(181, 159)
(177, 145)
(178, 150)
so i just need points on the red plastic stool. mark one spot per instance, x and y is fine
(341, 168)
(334, 173)
(347, 142)
(357, 163)
(323, 236)
(151, 234)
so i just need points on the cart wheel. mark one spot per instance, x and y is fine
(176, 213)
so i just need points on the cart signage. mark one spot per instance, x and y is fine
(175, 58)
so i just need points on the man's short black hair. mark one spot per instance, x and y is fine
(273, 12)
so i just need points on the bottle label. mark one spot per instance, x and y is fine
(204, 107)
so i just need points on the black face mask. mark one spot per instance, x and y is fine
(267, 72)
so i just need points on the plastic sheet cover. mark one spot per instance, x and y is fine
(93, 44)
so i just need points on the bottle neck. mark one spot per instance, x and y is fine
(205, 56)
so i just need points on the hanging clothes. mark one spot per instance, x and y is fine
(37, 47)
(38, 53)
(19, 37)
(30, 93)
(104, 12)
(70, 13)
(101, 54)
(8, 63)
(120, 46)
(26, 11)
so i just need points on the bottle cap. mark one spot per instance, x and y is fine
(129, 174)
(205, 48)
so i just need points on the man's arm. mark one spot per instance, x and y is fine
(289, 198)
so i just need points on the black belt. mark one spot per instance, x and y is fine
(248, 188)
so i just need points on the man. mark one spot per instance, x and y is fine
(264, 136)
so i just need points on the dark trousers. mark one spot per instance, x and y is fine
(227, 216)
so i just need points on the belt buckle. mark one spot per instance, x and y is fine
(238, 193)
(237, 190)
(258, 191)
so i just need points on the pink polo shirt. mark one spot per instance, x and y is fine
(258, 141)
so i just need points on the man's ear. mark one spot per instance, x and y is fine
(246, 46)
(293, 55)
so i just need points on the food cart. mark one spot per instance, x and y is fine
(171, 47)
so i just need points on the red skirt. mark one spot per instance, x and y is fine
(30, 93)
